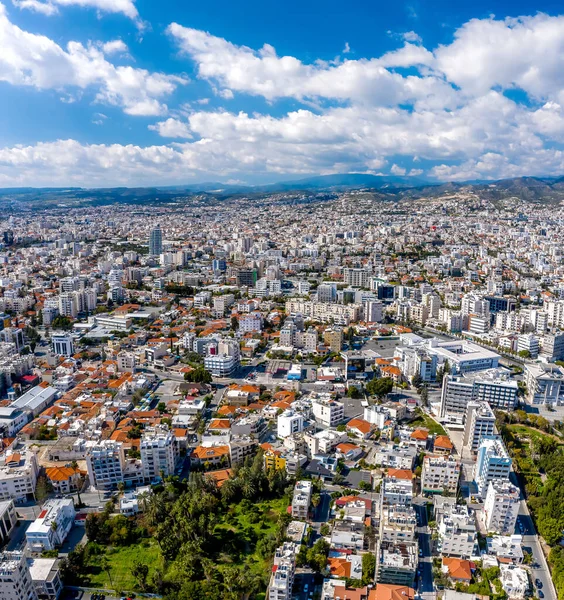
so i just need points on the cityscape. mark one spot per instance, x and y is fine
(281, 300)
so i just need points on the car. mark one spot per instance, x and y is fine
(538, 583)
(540, 594)
(420, 552)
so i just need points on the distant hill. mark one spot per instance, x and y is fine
(531, 189)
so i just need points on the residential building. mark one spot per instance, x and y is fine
(301, 500)
(480, 422)
(105, 462)
(514, 581)
(501, 507)
(156, 241)
(545, 384)
(18, 475)
(458, 536)
(15, 578)
(398, 523)
(492, 462)
(46, 577)
(159, 454)
(8, 520)
(396, 562)
(328, 412)
(51, 527)
(282, 578)
(440, 475)
(288, 423)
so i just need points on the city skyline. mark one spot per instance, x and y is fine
(133, 93)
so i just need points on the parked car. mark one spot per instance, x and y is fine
(538, 583)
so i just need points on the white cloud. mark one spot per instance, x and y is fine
(171, 128)
(264, 73)
(34, 60)
(347, 48)
(411, 36)
(397, 170)
(50, 7)
(115, 47)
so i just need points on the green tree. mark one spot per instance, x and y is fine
(368, 567)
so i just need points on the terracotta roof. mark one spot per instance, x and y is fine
(204, 453)
(220, 424)
(360, 424)
(339, 567)
(400, 473)
(420, 434)
(346, 447)
(345, 593)
(459, 568)
(220, 476)
(386, 591)
(443, 441)
(60, 473)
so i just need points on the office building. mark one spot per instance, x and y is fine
(545, 384)
(156, 241)
(62, 344)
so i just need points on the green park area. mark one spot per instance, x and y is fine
(425, 421)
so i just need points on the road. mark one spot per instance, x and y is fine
(531, 541)
(425, 582)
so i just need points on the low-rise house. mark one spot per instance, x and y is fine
(64, 480)
(458, 570)
(514, 581)
(360, 428)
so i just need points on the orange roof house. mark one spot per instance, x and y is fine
(359, 426)
(220, 476)
(420, 435)
(339, 567)
(458, 569)
(443, 444)
(400, 474)
(221, 424)
(386, 591)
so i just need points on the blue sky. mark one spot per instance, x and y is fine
(125, 92)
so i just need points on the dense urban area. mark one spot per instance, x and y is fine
(289, 396)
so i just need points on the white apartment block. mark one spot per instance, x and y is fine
(223, 360)
(15, 578)
(396, 491)
(480, 422)
(126, 361)
(339, 314)
(52, 525)
(282, 578)
(501, 507)
(457, 532)
(492, 462)
(18, 475)
(440, 474)
(250, 323)
(288, 423)
(545, 384)
(301, 500)
(159, 453)
(105, 463)
(328, 412)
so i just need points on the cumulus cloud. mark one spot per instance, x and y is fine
(29, 59)
(171, 128)
(51, 7)
(115, 47)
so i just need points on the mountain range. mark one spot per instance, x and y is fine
(543, 190)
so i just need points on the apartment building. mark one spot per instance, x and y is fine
(479, 423)
(458, 536)
(8, 520)
(289, 422)
(492, 462)
(398, 523)
(328, 412)
(15, 578)
(282, 578)
(224, 359)
(301, 500)
(105, 463)
(18, 475)
(440, 475)
(159, 454)
(397, 491)
(501, 507)
(396, 562)
(545, 384)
